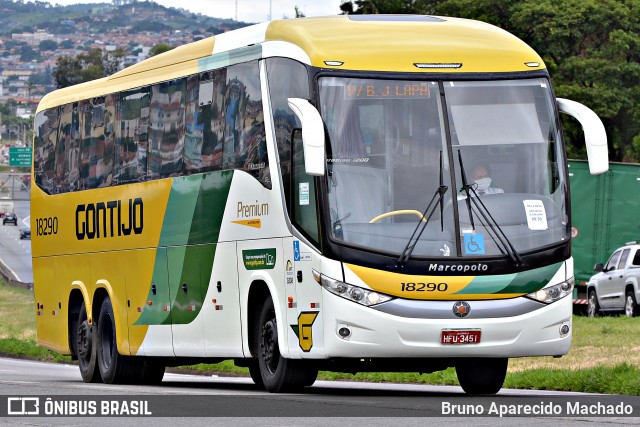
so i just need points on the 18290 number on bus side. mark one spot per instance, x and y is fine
(46, 226)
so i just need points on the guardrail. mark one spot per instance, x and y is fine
(10, 279)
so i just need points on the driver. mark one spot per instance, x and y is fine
(483, 181)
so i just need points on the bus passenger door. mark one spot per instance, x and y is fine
(221, 306)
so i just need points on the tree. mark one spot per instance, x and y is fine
(47, 45)
(66, 44)
(27, 54)
(159, 48)
(84, 67)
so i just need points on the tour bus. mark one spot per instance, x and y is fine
(302, 195)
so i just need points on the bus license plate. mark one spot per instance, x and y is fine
(460, 336)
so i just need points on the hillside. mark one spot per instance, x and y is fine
(18, 17)
(34, 35)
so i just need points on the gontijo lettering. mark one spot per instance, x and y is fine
(109, 219)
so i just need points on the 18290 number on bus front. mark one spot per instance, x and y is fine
(46, 226)
(424, 287)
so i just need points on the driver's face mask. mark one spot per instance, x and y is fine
(483, 183)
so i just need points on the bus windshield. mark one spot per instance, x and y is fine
(501, 162)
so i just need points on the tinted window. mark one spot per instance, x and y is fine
(131, 129)
(209, 121)
(287, 79)
(46, 129)
(167, 128)
(244, 135)
(67, 166)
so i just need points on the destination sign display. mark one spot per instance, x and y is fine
(388, 89)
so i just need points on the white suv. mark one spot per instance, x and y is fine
(616, 287)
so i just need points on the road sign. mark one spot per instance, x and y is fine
(20, 156)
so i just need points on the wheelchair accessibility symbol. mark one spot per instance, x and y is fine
(474, 244)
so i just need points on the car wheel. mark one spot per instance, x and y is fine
(593, 308)
(631, 308)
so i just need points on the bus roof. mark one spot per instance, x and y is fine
(392, 43)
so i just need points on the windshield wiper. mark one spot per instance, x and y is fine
(424, 220)
(492, 225)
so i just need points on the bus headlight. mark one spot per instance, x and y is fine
(357, 294)
(553, 293)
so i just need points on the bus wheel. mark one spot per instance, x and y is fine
(278, 374)
(482, 376)
(256, 376)
(114, 367)
(150, 371)
(86, 345)
(593, 308)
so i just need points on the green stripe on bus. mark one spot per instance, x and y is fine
(519, 283)
(184, 260)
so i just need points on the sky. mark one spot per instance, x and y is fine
(248, 10)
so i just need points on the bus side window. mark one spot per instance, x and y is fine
(131, 130)
(65, 148)
(287, 79)
(166, 128)
(46, 132)
(204, 121)
(245, 145)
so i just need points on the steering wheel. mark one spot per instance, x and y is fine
(399, 212)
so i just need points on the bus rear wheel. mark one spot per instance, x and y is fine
(482, 376)
(278, 373)
(114, 367)
(150, 371)
(86, 347)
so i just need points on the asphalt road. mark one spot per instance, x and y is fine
(207, 400)
(16, 253)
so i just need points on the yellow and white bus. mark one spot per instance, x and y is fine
(310, 194)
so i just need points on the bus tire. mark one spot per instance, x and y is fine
(151, 371)
(254, 372)
(278, 373)
(114, 367)
(86, 343)
(482, 376)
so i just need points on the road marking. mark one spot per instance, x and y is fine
(27, 219)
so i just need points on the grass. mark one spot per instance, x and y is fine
(604, 357)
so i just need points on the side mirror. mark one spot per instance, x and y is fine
(312, 135)
(598, 267)
(595, 136)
